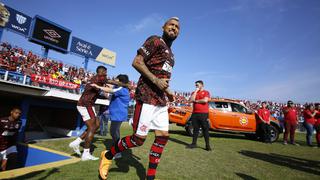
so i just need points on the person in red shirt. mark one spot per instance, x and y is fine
(264, 123)
(317, 123)
(290, 122)
(200, 113)
(309, 120)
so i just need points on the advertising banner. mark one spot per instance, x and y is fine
(87, 49)
(15, 20)
(84, 48)
(54, 82)
(106, 56)
(49, 34)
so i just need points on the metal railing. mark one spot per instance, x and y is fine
(15, 77)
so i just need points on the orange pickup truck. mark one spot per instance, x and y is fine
(227, 116)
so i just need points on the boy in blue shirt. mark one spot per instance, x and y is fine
(118, 108)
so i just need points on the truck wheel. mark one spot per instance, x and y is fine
(189, 129)
(274, 133)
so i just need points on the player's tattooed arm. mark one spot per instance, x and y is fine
(140, 66)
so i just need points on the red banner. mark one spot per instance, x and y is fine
(54, 82)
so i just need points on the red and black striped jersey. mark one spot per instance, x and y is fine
(90, 94)
(8, 133)
(159, 59)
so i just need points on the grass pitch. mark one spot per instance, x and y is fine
(233, 157)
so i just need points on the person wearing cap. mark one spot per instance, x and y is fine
(154, 61)
(264, 123)
(309, 120)
(118, 108)
(290, 123)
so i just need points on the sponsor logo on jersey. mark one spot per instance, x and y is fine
(7, 133)
(167, 67)
(145, 51)
(143, 128)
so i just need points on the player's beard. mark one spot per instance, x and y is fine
(169, 38)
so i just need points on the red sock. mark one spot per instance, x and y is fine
(123, 144)
(155, 154)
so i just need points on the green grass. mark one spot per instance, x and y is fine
(234, 157)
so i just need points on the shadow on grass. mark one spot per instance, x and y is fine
(215, 134)
(107, 142)
(228, 135)
(128, 159)
(308, 166)
(33, 174)
(180, 132)
(93, 146)
(178, 141)
(246, 177)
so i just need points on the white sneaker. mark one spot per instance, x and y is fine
(87, 157)
(117, 156)
(76, 147)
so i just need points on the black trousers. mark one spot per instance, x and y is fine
(200, 120)
(265, 132)
(115, 131)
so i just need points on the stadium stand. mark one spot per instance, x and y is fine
(28, 68)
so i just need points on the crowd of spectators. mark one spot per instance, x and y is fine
(182, 98)
(275, 108)
(15, 59)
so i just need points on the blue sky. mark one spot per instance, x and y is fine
(248, 49)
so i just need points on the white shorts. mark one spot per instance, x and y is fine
(147, 116)
(87, 113)
(6, 152)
